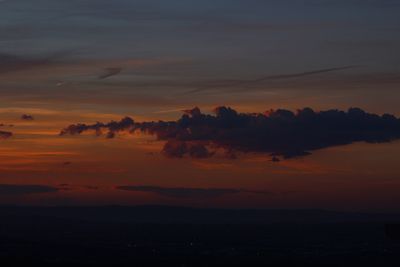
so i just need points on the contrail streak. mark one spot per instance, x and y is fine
(274, 77)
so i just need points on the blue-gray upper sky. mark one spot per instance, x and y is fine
(191, 45)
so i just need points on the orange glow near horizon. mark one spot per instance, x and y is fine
(85, 170)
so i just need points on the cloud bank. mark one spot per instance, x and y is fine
(278, 132)
(182, 192)
(13, 189)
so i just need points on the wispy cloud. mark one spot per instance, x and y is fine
(109, 72)
(15, 63)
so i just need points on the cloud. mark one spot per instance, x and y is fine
(27, 117)
(5, 134)
(125, 124)
(182, 192)
(108, 72)
(13, 189)
(178, 149)
(14, 63)
(6, 125)
(278, 132)
(91, 187)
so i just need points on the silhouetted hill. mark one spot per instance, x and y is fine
(178, 236)
(171, 214)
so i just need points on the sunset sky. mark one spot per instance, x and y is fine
(68, 62)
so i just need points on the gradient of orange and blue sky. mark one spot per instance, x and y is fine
(65, 62)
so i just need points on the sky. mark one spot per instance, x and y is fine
(69, 62)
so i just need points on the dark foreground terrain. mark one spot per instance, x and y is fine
(171, 236)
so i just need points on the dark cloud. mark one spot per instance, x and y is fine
(6, 125)
(5, 134)
(275, 159)
(278, 132)
(13, 189)
(69, 187)
(178, 149)
(64, 187)
(125, 124)
(27, 117)
(182, 192)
